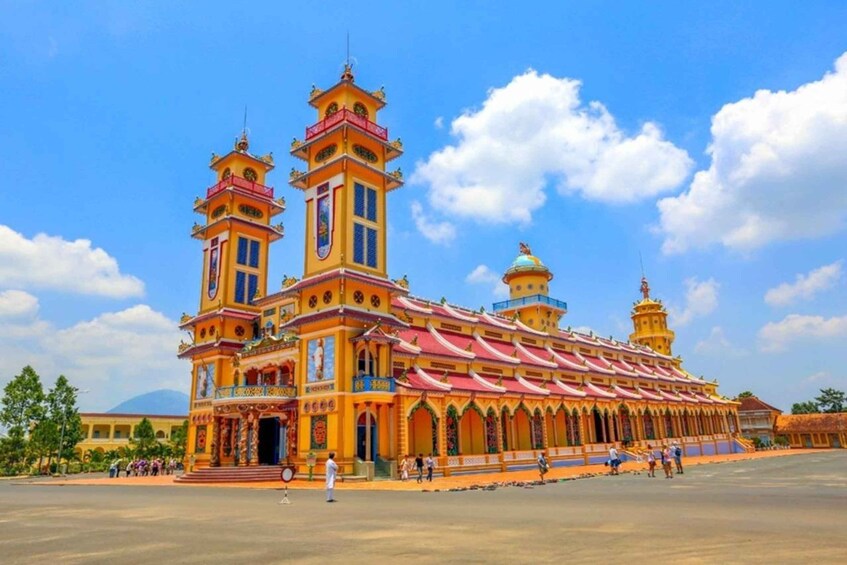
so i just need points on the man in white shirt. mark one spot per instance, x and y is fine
(331, 472)
(613, 460)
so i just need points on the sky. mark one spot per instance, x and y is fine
(704, 140)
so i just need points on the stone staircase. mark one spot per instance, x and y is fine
(260, 473)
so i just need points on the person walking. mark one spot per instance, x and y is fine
(651, 461)
(331, 472)
(677, 457)
(543, 465)
(430, 465)
(666, 462)
(404, 468)
(614, 462)
(419, 464)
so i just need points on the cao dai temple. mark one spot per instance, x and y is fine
(346, 359)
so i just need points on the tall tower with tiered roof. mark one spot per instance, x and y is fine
(650, 322)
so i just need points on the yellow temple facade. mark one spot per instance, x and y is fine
(347, 360)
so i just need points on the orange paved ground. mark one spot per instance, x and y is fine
(439, 482)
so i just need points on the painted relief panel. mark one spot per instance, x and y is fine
(205, 382)
(319, 432)
(212, 276)
(321, 365)
(323, 222)
(200, 440)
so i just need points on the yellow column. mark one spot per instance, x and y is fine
(368, 431)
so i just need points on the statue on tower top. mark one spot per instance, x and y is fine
(525, 250)
(645, 288)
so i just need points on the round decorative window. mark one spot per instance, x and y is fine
(250, 174)
(358, 297)
(529, 286)
(327, 297)
(326, 153)
(360, 110)
(518, 287)
(226, 174)
(375, 301)
(203, 332)
(239, 331)
(331, 109)
(313, 301)
(365, 153)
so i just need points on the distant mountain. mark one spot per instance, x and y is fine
(163, 401)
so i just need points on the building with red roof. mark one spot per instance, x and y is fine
(757, 419)
(347, 360)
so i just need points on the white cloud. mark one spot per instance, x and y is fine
(536, 129)
(436, 232)
(777, 171)
(701, 298)
(115, 355)
(17, 303)
(485, 276)
(775, 336)
(717, 344)
(439, 122)
(54, 263)
(805, 286)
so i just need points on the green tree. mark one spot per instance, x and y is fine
(179, 441)
(745, 394)
(23, 402)
(43, 440)
(63, 412)
(831, 400)
(804, 408)
(144, 439)
(22, 408)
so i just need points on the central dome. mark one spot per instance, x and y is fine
(523, 261)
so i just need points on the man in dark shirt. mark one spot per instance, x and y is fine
(419, 464)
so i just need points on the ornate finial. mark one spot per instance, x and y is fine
(198, 201)
(241, 143)
(269, 158)
(645, 288)
(185, 317)
(524, 248)
(414, 341)
(215, 157)
(500, 380)
(444, 378)
(402, 282)
(348, 73)
(469, 347)
(379, 94)
(443, 300)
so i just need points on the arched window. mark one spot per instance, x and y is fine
(360, 110)
(366, 363)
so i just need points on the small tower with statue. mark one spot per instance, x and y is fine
(650, 323)
(528, 279)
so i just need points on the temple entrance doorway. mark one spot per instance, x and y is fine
(268, 441)
(599, 427)
(362, 438)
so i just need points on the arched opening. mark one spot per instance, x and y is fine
(668, 424)
(523, 429)
(505, 425)
(686, 424)
(471, 432)
(573, 428)
(160, 435)
(452, 429)
(647, 421)
(626, 426)
(491, 443)
(362, 438)
(365, 362)
(600, 432)
(423, 430)
(537, 430)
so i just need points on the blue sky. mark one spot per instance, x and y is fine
(585, 129)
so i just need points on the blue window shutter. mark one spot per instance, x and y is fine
(371, 248)
(239, 287)
(252, 287)
(371, 204)
(359, 200)
(241, 258)
(358, 244)
(254, 254)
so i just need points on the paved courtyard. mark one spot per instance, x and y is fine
(764, 510)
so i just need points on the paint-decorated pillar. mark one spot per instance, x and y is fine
(368, 438)
(215, 454)
(254, 440)
(242, 443)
